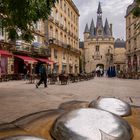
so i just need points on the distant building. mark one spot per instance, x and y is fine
(99, 44)
(132, 40)
(120, 55)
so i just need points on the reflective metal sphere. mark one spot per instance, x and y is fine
(23, 138)
(91, 124)
(113, 105)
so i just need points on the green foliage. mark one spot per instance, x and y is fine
(136, 11)
(20, 16)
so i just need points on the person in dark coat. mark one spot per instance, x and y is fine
(43, 76)
(25, 72)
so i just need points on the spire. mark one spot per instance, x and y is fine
(99, 23)
(92, 29)
(99, 11)
(107, 29)
(86, 29)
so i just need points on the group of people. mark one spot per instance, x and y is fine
(99, 72)
(111, 72)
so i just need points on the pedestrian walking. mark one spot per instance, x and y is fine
(25, 72)
(43, 76)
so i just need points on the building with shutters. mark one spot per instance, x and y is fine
(62, 31)
(132, 40)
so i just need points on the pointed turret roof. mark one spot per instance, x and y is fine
(99, 23)
(92, 29)
(99, 11)
(107, 29)
(86, 29)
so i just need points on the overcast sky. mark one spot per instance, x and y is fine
(113, 10)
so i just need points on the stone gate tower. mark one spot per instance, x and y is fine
(98, 43)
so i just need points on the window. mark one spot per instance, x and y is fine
(61, 20)
(64, 55)
(55, 53)
(135, 43)
(51, 31)
(71, 16)
(61, 3)
(56, 34)
(68, 12)
(97, 49)
(129, 32)
(65, 8)
(65, 22)
(57, 16)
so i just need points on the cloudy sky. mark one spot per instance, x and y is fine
(113, 10)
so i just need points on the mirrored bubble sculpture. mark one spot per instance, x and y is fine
(112, 105)
(23, 138)
(91, 124)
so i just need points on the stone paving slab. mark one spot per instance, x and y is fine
(17, 98)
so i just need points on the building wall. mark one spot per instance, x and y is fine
(120, 58)
(93, 58)
(132, 42)
(63, 30)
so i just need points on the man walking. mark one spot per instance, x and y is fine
(43, 76)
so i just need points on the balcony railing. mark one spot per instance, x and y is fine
(63, 45)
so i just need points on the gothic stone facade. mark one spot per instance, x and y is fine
(99, 44)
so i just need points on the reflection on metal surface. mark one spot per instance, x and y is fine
(112, 105)
(91, 124)
(23, 138)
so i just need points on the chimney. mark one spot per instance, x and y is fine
(111, 28)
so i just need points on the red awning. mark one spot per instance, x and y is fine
(6, 53)
(45, 60)
(26, 59)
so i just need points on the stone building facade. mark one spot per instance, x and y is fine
(62, 30)
(132, 40)
(98, 44)
(120, 55)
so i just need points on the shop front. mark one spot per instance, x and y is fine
(6, 64)
(24, 65)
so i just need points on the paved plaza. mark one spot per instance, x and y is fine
(18, 98)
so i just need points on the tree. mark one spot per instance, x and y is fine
(136, 11)
(19, 16)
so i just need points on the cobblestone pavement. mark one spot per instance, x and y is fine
(18, 98)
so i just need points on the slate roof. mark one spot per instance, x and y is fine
(99, 11)
(99, 25)
(107, 31)
(119, 43)
(92, 29)
(130, 7)
(86, 29)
